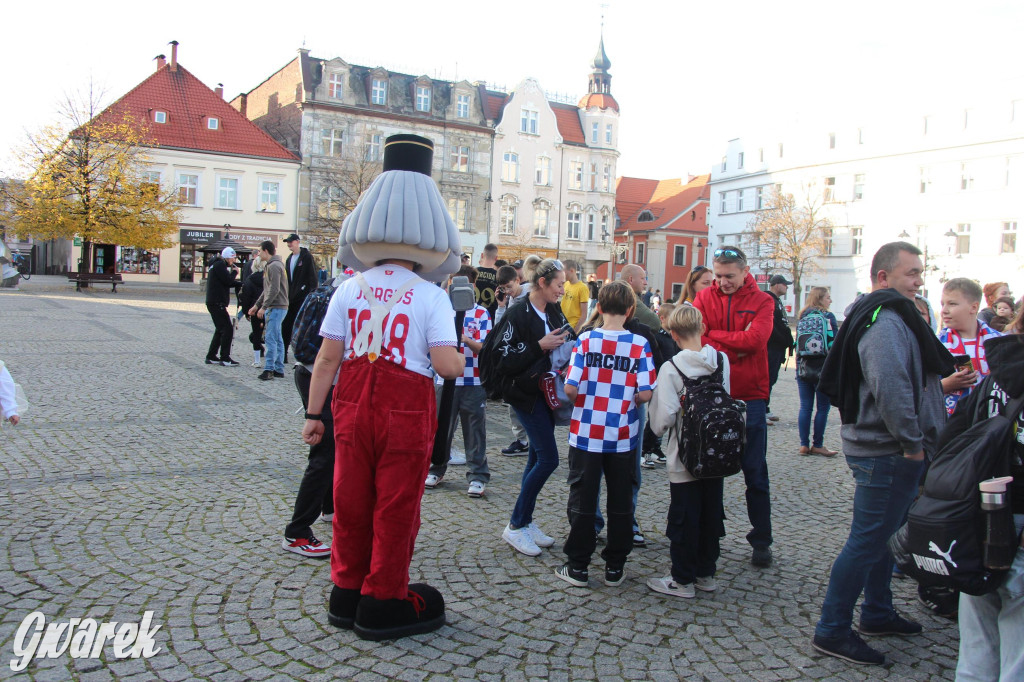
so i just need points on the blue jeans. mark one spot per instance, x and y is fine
(541, 462)
(992, 628)
(274, 340)
(755, 475)
(809, 393)
(886, 485)
(641, 411)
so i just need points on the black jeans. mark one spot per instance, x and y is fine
(695, 524)
(223, 333)
(775, 360)
(256, 335)
(316, 491)
(585, 470)
(288, 323)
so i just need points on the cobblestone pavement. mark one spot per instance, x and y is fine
(143, 479)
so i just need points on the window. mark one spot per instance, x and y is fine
(576, 175)
(1009, 243)
(373, 143)
(459, 209)
(826, 233)
(830, 189)
(212, 123)
(591, 226)
(508, 216)
(270, 193)
(595, 129)
(679, 255)
(543, 172)
(151, 182)
(722, 197)
(575, 220)
(330, 141)
(831, 140)
(856, 240)
(607, 178)
(739, 160)
(227, 193)
(858, 187)
(593, 177)
(159, 116)
(963, 238)
(645, 216)
(422, 98)
(608, 133)
(138, 261)
(510, 167)
(188, 189)
(640, 253)
(379, 91)
(334, 86)
(541, 213)
(966, 177)
(604, 227)
(529, 122)
(330, 205)
(462, 106)
(677, 290)
(759, 198)
(725, 163)
(925, 180)
(739, 200)
(460, 159)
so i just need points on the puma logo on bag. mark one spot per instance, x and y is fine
(945, 555)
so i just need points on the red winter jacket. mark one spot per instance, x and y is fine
(727, 317)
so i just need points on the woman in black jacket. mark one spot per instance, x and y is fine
(528, 333)
(252, 287)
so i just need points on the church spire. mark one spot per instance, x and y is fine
(600, 79)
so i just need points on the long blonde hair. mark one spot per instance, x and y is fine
(814, 301)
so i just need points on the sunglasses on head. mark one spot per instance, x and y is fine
(731, 253)
(556, 266)
(700, 268)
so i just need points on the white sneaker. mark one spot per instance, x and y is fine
(327, 518)
(669, 586)
(538, 536)
(432, 480)
(521, 540)
(476, 489)
(707, 584)
(456, 457)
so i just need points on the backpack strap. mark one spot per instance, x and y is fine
(371, 335)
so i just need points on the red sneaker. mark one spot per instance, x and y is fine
(307, 547)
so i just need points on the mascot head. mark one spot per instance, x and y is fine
(402, 216)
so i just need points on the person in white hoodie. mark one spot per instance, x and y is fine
(8, 397)
(695, 514)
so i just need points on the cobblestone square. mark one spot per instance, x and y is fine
(144, 480)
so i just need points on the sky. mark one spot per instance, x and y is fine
(688, 76)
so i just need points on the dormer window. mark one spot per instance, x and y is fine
(212, 123)
(159, 116)
(645, 217)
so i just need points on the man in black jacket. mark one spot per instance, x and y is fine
(302, 281)
(781, 340)
(220, 280)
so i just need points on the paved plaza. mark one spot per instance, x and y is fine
(144, 480)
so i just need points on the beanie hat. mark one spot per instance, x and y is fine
(228, 252)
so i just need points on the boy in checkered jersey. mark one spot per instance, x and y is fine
(469, 401)
(611, 371)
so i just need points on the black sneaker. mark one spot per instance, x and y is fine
(516, 447)
(897, 625)
(212, 361)
(850, 648)
(613, 577)
(266, 375)
(279, 375)
(229, 363)
(761, 557)
(573, 576)
(942, 601)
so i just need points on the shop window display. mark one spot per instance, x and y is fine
(138, 261)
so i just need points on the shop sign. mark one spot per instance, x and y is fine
(77, 241)
(251, 238)
(198, 236)
(761, 278)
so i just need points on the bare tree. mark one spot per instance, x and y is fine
(336, 189)
(517, 245)
(790, 236)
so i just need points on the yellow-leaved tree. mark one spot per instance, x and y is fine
(85, 177)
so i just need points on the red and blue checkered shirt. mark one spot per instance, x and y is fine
(476, 325)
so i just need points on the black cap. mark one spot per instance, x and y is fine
(291, 238)
(408, 153)
(778, 279)
(518, 264)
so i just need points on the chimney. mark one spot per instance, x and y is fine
(161, 61)
(219, 90)
(174, 55)
(243, 104)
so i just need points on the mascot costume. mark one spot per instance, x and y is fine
(389, 329)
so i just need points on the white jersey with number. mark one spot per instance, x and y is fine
(422, 320)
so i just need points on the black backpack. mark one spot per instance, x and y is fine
(306, 337)
(941, 543)
(712, 426)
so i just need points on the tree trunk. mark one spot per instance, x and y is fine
(85, 262)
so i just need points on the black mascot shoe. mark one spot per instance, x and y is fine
(421, 611)
(342, 611)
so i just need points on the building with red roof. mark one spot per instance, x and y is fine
(233, 180)
(662, 226)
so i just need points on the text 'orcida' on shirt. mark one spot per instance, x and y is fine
(476, 325)
(609, 368)
(422, 320)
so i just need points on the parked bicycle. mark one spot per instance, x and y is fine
(22, 265)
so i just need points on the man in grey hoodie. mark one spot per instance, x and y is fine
(899, 414)
(272, 306)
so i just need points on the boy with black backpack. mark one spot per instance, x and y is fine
(696, 514)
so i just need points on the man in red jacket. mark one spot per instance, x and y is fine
(738, 316)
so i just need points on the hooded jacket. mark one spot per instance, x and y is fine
(663, 414)
(1005, 382)
(727, 317)
(275, 285)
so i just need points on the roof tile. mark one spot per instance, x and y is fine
(665, 199)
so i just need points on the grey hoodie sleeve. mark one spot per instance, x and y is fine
(886, 361)
(665, 403)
